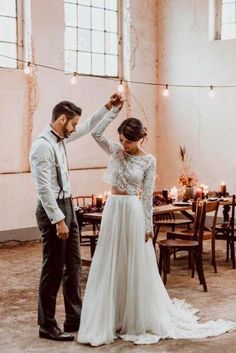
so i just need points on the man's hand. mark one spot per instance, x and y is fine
(62, 230)
(148, 235)
(116, 100)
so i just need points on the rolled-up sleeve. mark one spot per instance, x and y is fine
(42, 160)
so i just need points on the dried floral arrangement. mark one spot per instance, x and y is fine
(186, 177)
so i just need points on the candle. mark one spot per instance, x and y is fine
(165, 194)
(94, 200)
(99, 201)
(174, 193)
(199, 193)
(106, 194)
(206, 190)
(202, 187)
(223, 188)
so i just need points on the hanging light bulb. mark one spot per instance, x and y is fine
(28, 69)
(120, 88)
(166, 92)
(211, 92)
(73, 79)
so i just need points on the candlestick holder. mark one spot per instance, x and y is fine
(223, 190)
(99, 202)
(165, 194)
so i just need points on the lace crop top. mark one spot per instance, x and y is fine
(133, 174)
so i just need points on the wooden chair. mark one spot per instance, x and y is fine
(89, 232)
(82, 200)
(168, 219)
(226, 231)
(194, 246)
(208, 234)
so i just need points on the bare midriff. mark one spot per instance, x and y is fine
(116, 191)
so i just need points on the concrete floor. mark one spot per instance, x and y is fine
(19, 273)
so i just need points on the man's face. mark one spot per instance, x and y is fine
(70, 126)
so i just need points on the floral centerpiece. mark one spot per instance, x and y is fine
(187, 179)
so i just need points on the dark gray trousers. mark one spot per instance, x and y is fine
(61, 263)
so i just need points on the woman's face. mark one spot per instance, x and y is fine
(129, 146)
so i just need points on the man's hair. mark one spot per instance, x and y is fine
(69, 109)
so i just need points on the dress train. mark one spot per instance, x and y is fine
(125, 296)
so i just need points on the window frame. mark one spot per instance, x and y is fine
(215, 20)
(119, 47)
(19, 37)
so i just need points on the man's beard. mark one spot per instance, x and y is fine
(65, 131)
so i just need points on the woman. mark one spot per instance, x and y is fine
(125, 295)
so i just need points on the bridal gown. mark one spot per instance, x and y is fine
(125, 296)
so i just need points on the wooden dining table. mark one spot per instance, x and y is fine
(95, 218)
(184, 208)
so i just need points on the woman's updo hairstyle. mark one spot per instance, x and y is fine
(132, 129)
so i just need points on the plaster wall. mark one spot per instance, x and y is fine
(206, 126)
(26, 104)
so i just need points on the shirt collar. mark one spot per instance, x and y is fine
(56, 137)
(51, 134)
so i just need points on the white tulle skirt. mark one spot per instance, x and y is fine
(125, 296)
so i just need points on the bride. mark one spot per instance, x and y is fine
(125, 296)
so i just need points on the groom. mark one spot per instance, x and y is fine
(56, 218)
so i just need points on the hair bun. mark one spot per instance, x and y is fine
(132, 129)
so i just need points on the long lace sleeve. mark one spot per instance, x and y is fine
(148, 188)
(106, 144)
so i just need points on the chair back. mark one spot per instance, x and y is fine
(200, 222)
(213, 207)
(82, 200)
(199, 219)
(204, 207)
(232, 216)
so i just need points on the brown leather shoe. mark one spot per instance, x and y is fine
(54, 333)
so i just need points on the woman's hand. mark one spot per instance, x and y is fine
(148, 235)
(116, 101)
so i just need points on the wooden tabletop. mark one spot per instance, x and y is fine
(92, 216)
(96, 216)
(156, 210)
(170, 208)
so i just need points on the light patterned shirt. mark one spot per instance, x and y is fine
(43, 165)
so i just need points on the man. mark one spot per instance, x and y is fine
(56, 218)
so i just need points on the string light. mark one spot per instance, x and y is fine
(166, 92)
(211, 93)
(73, 79)
(28, 69)
(120, 88)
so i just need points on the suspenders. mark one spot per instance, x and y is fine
(58, 169)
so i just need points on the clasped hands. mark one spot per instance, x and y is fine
(116, 101)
